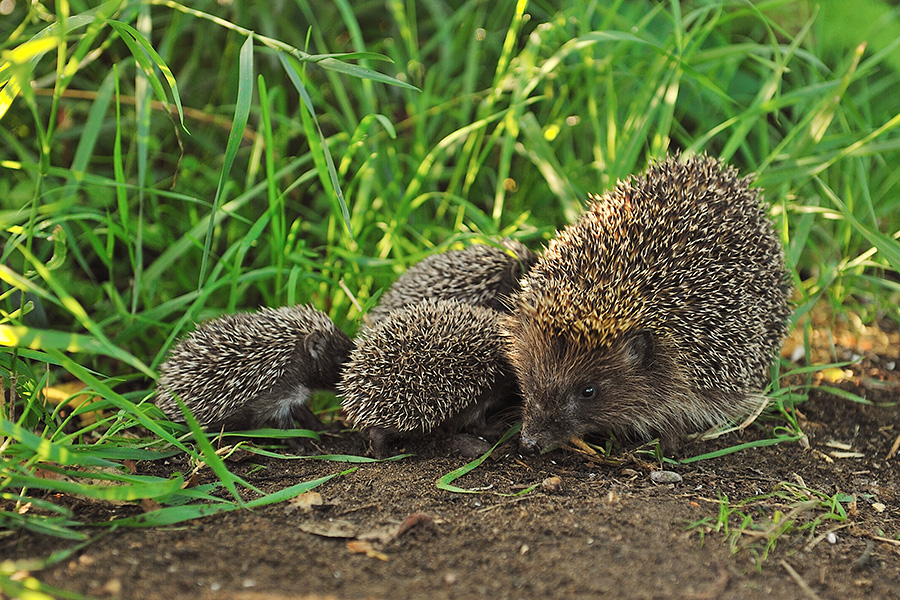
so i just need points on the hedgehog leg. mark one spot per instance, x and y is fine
(301, 416)
(468, 445)
(306, 418)
(381, 441)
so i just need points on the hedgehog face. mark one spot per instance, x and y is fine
(572, 391)
(319, 357)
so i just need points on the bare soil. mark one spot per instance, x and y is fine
(591, 529)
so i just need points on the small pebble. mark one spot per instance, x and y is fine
(665, 477)
(551, 484)
(113, 587)
(830, 537)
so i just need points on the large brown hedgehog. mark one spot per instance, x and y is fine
(658, 313)
(480, 274)
(251, 370)
(435, 365)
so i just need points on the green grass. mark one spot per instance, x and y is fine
(755, 525)
(161, 165)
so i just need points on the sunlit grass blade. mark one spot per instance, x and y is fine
(78, 311)
(239, 123)
(275, 434)
(317, 140)
(141, 50)
(117, 453)
(446, 482)
(120, 493)
(54, 526)
(327, 61)
(16, 67)
(212, 458)
(888, 246)
(46, 450)
(294, 490)
(739, 447)
(179, 514)
(42, 339)
(84, 375)
(848, 395)
(13, 585)
(348, 458)
(172, 515)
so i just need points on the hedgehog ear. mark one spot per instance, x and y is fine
(315, 344)
(639, 348)
(515, 271)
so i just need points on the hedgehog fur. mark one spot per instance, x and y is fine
(250, 370)
(657, 313)
(479, 274)
(434, 365)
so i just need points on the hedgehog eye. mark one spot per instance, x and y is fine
(588, 392)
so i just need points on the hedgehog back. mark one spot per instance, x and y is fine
(423, 366)
(479, 274)
(234, 359)
(685, 251)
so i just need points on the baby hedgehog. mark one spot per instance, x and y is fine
(657, 313)
(251, 370)
(435, 365)
(479, 274)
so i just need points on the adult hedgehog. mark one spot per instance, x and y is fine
(657, 313)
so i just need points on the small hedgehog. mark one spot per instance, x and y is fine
(658, 313)
(251, 370)
(479, 274)
(435, 365)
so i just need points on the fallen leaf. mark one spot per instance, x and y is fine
(305, 502)
(582, 446)
(894, 447)
(847, 454)
(336, 528)
(66, 394)
(411, 521)
(834, 374)
(363, 547)
(838, 445)
(380, 535)
(238, 456)
(61, 392)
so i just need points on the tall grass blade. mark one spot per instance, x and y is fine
(317, 140)
(239, 123)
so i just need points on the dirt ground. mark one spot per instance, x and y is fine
(589, 530)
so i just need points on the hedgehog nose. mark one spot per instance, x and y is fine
(528, 444)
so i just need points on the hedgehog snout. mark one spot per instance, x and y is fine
(538, 428)
(529, 444)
